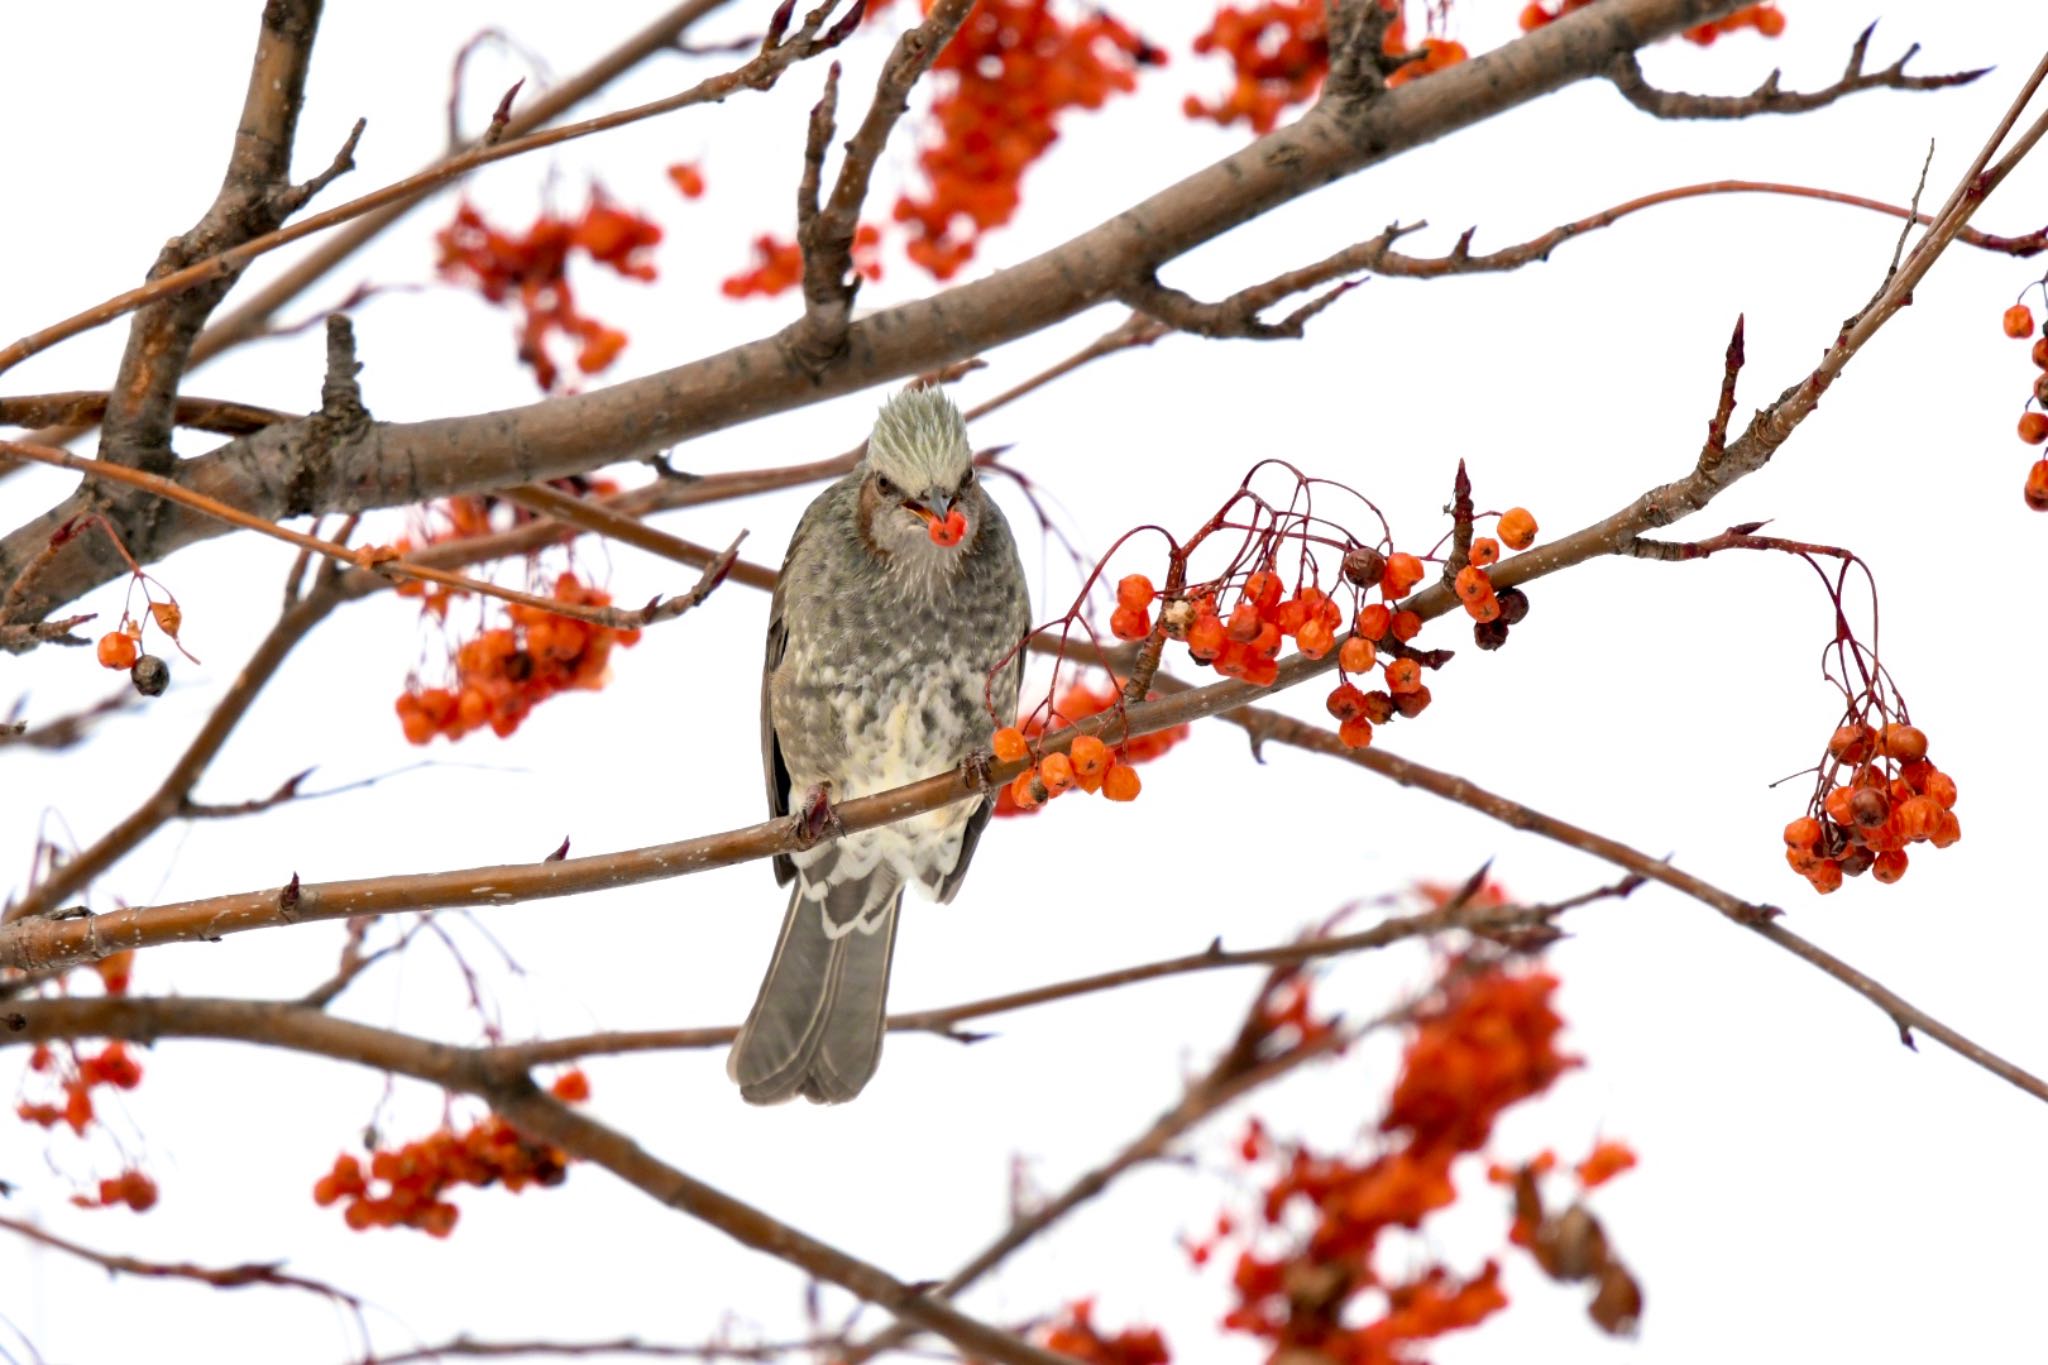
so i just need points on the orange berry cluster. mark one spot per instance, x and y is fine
(1489, 1044)
(416, 1176)
(110, 1066)
(503, 673)
(1893, 797)
(130, 1189)
(530, 270)
(779, 265)
(1280, 52)
(1075, 1335)
(1765, 19)
(1089, 764)
(1010, 72)
(2019, 324)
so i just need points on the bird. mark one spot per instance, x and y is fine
(893, 634)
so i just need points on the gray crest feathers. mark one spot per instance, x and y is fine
(920, 441)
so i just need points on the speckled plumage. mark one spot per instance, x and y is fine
(880, 646)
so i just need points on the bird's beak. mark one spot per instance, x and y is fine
(941, 519)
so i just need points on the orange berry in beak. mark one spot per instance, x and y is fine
(949, 532)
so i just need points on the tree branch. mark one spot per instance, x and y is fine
(512, 1093)
(1627, 76)
(776, 56)
(826, 233)
(51, 940)
(241, 1276)
(402, 463)
(1273, 727)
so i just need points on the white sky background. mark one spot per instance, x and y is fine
(1809, 1189)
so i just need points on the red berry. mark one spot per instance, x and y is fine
(1357, 655)
(2037, 486)
(1205, 637)
(1315, 639)
(1345, 702)
(1130, 623)
(1135, 592)
(117, 650)
(1485, 551)
(2019, 320)
(1403, 675)
(1057, 772)
(1356, 732)
(1009, 744)
(1404, 571)
(1089, 756)
(1407, 625)
(1374, 621)
(2033, 427)
(1517, 528)
(1121, 783)
(1890, 866)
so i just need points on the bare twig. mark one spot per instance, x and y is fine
(1273, 727)
(1627, 75)
(1486, 921)
(164, 803)
(826, 231)
(760, 73)
(242, 1276)
(388, 563)
(473, 1348)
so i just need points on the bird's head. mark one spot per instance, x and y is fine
(919, 498)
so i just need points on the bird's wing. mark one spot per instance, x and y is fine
(969, 837)
(773, 769)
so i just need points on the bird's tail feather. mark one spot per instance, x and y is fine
(816, 1026)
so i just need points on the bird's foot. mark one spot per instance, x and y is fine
(816, 821)
(975, 769)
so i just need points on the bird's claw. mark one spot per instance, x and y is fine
(816, 821)
(975, 769)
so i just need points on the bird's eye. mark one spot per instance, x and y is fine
(884, 487)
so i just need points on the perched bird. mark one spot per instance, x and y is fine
(900, 595)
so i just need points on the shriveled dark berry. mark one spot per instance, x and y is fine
(1365, 566)
(1490, 634)
(150, 675)
(1514, 605)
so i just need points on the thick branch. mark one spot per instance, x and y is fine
(252, 318)
(514, 1095)
(403, 463)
